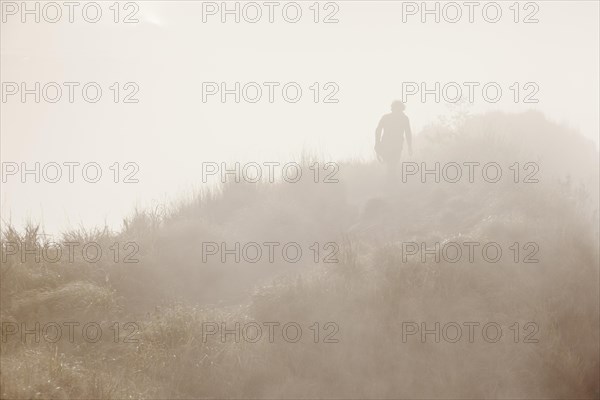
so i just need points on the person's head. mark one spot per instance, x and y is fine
(398, 106)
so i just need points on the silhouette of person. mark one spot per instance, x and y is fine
(395, 126)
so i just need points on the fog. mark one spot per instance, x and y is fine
(369, 53)
(364, 239)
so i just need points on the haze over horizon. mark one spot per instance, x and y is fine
(368, 54)
(300, 200)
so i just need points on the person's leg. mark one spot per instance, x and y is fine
(397, 153)
(392, 169)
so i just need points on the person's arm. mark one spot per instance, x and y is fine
(378, 132)
(408, 134)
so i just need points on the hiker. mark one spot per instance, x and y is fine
(395, 126)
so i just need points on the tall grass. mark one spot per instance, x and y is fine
(170, 293)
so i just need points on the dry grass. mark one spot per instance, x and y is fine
(170, 293)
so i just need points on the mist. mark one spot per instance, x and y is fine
(369, 54)
(300, 200)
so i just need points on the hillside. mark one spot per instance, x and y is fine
(366, 304)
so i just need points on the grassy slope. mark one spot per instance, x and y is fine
(368, 294)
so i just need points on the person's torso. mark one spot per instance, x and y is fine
(394, 126)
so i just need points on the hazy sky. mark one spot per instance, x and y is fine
(171, 52)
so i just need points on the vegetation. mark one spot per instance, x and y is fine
(172, 296)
